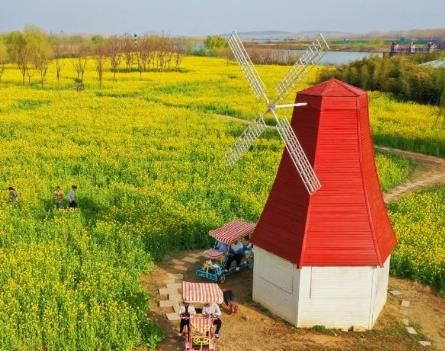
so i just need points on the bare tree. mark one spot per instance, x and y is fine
(114, 51)
(143, 54)
(29, 74)
(41, 62)
(58, 53)
(80, 62)
(18, 52)
(40, 52)
(100, 62)
(179, 48)
(128, 48)
(23, 59)
(3, 58)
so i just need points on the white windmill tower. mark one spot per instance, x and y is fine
(309, 57)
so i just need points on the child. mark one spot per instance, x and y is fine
(229, 300)
(58, 197)
(13, 195)
(72, 198)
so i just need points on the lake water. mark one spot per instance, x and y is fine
(338, 57)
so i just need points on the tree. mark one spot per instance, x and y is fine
(144, 53)
(440, 120)
(114, 51)
(58, 53)
(363, 76)
(19, 52)
(128, 47)
(80, 62)
(40, 51)
(214, 42)
(100, 62)
(97, 39)
(179, 48)
(3, 58)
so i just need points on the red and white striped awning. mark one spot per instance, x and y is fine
(232, 231)
(201, 293)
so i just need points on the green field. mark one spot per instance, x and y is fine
(148, 157)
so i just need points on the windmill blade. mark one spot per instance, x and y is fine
(299, 159)
(312, 55)
(241, 55)
(246, 140)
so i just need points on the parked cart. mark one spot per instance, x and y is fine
(201, 334)
(215, 267)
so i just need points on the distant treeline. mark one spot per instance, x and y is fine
(216, 45)
(33, 50)
(400, 75)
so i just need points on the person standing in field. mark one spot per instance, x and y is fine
(13, 195)
(72, 197)
(58, 197)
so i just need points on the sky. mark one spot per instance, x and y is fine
(202, 17)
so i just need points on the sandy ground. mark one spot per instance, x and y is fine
(255, 329)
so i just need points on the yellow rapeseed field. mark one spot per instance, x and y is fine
(148, 156)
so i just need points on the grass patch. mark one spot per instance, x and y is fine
(28, 104)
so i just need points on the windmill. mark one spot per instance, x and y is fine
(310, 56)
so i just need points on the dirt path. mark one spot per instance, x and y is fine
(428, 170)
(254, 329)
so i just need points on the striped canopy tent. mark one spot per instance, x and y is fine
(201, 293)
(233, 231)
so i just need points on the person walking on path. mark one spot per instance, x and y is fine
(13, 195)
(72, 197)
(229, 300)
(58, 197)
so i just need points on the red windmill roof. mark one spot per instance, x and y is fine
(345, 223)
(333, 87)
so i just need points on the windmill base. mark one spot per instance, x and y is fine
(335, 297)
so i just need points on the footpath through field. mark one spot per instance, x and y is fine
(428, 171)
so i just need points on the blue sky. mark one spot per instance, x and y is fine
(200, 17)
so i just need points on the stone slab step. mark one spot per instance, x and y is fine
(172, 316)
(174, 286)
(405, 303)
(176, 261)
(411, 330)
(178, 276)
(180, 268)
(166, 303)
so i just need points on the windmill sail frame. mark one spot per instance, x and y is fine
(310, 56)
